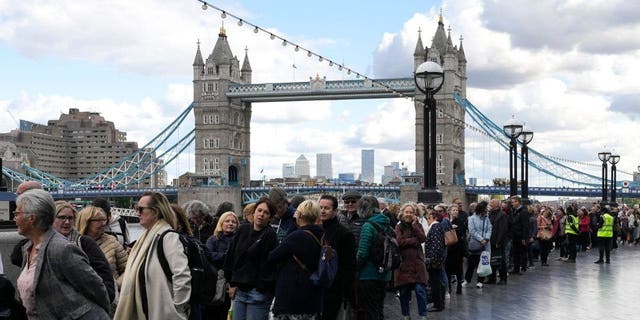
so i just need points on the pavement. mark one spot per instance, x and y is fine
(583, 290)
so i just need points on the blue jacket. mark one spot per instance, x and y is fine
(295, 293)
(366, 269)
(218, 246)
(480, 228)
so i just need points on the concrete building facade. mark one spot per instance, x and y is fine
(302, 167)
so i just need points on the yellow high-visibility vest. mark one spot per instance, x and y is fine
(574, 221)
(606, 231)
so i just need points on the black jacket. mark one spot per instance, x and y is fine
(245, 263)
(342, 240)
(500, 227)
(519, 226)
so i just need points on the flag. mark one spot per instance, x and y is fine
(294, 66)
(261, 171)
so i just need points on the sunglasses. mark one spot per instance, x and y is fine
(140, 209)
(350, 201)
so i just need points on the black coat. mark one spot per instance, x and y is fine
(342, 240)
(519, 226)
(218, 246)
(294, 291)
(500, 228)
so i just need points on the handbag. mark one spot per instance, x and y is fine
(484, 267)
(222, 288)
(476, 246)
(544, 234)
(450, 238)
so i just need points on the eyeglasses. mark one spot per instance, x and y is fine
(67, 218)
(140, 209)
(350, 201)
(98, 220)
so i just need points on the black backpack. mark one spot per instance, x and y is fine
(203, 274)
(385, 252)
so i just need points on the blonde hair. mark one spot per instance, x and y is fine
(86, 214)
(182, 220)
(248, 210)
(408, 204)
(308, 211)
(160, 204)
(61, 205)
(221, 221)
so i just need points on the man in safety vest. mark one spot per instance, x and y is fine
(605, 234)
(572, 231)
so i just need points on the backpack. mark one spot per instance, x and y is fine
(385, 252)
(203, 274)
(327, 269)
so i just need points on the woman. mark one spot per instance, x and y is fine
(412, 273)
(545, 226)
(247, 213)
(251, 283)
(92, 222)
(296, 297)
(479, 231)
(585, 223)
(371, 283)
(217, 246)
(558, 233)
(455, 253)
(56, 281)
(144, 280)
(202, 223)
(434, 259)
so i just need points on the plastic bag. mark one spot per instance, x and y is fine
(484, 267)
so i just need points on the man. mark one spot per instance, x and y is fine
(382, 205)
(200, 219)
(284, 213)
(28, 185)
(571, 229)
(341, 239)
(605, 235)
(519, 227)
(350, 215)
(500, 224)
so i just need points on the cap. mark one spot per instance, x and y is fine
(351, 194)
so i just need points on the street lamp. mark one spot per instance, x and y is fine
(524, 139)
(512, 129)
(604, 157)
(429, 78)
(614, 159)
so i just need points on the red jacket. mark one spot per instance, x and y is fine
(585, 223)
(412, 269)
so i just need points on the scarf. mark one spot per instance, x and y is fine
(130, 303)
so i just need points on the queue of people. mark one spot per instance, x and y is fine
(73, 266)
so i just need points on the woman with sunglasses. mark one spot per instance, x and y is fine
(147, 293)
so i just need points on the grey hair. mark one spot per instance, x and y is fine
(197, 207)
(367, 206)
(39, 203)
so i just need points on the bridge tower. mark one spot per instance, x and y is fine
(222, 126)
(450, 116)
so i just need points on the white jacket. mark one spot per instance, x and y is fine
(168, 299)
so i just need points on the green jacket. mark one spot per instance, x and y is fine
(366, 269)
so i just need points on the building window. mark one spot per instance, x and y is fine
(439, 139)
(216, 119)
(440, 114)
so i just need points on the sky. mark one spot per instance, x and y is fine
(567, 69)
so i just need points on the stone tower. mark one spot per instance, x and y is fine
(222, 126)
(450, 115)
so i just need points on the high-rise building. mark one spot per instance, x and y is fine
(78, 145)
(323, 165)
(367, 164)
(302, 167)
(288, 170)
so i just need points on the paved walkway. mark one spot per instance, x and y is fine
(583, 290)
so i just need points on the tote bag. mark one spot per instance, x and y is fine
(484, 267)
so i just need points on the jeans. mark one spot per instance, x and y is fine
(421, 298)
(251, 305)
(507, 252)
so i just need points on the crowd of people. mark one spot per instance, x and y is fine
(83, 265)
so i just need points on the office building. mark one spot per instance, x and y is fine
(302, 167)
(323, 165)
(288, 170)
(367, 165)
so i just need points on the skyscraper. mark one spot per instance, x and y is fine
(323, 165)
(302, 167)
(367, 165)
(288, 170)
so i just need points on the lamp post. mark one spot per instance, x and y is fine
(429, 78)
(524, 139)
(512, 129)
(604, 157)
(614, 159)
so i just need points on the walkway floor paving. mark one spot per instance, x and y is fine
(583, 290)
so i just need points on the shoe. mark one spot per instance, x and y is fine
(517, 273)
(599, 262)
(479, 285)
(545, 264)
(434, 309)
(607, 262)
(501, 283)
(459, 291)
(454, 278)
(559, 259)
(570, 261)
(465, 283)
(490, 282)
(447, 295)
(564, 259)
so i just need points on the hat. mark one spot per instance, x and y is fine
(277, 195)
(351, 194)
